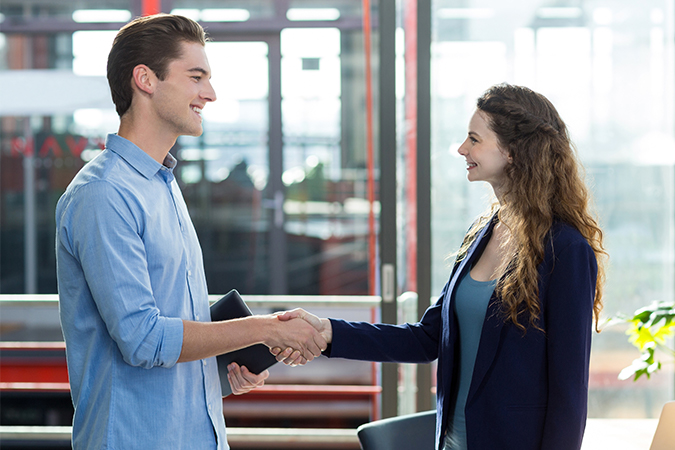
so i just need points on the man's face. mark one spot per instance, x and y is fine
(181, 96)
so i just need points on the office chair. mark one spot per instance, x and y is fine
(413, 431)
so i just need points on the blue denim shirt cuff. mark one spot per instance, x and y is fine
(173, 341)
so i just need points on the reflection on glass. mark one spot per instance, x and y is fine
(326, 229)
(90, 52)
(101, 15)
(223, 172)
(307, 14)
(214, 14)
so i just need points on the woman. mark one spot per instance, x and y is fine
(512, 327)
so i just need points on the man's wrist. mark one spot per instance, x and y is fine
(264, 326)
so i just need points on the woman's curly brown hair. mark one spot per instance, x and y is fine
(543, 184)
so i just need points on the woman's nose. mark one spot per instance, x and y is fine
(462, 150)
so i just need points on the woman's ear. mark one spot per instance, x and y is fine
(144, 79)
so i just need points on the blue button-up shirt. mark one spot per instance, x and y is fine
(130, 269)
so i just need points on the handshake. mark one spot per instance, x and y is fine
(299, 337)
(294, 337)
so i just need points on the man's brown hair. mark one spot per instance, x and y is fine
(154, 41)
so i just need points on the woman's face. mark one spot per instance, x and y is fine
(485, 160)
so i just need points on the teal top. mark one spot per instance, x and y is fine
(470, 305)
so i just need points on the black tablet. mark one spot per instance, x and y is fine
(256, 358)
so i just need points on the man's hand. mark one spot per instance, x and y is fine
(297, 335)
(242, 380)
(291, 357)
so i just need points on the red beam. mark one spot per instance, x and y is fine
(151, 7)
(410, 25)
(33, 372)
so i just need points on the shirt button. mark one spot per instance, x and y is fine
(189, 273)
(203, 362)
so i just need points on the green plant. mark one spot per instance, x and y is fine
(649, 328)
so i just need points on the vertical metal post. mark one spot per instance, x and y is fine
(387, 131)
(29, 225)
(278, 261)
(423, 185)
(29, 229)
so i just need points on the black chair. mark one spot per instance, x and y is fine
(413, 431)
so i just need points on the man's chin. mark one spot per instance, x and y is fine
(194, 133)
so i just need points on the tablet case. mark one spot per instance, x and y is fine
(256, 358)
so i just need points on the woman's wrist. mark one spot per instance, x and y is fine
(327, 330)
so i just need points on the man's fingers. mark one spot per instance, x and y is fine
(243, 380)
(288, 315)
(235, 384)
(253, 379)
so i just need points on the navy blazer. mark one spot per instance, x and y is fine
(528, 391)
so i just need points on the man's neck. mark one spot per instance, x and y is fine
(152, 141)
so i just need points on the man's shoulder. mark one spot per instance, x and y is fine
(107, 168)
(97, 180)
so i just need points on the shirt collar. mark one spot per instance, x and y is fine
(136, 157)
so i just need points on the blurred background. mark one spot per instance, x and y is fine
(308, 177)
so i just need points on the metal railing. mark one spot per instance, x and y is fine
(12, 304)
(332, 438)
(13, 307)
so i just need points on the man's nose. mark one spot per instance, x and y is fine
(209, 93)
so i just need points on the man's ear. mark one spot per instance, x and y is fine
(144, 79)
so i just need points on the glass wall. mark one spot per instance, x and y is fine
(291, 89)
(608, 68)
(298, 226)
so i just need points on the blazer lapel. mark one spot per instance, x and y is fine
(448, 315)
(487, 348)
(489, 341)
(478, 244)
(449, 330)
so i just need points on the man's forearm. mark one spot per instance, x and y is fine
(205, 339)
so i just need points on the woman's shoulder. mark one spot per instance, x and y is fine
(563, 235)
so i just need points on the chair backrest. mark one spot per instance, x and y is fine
(413, 431)
(664, 437)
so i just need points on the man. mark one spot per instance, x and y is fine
(133, 298)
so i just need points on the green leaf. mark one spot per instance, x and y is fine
(648, 329)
